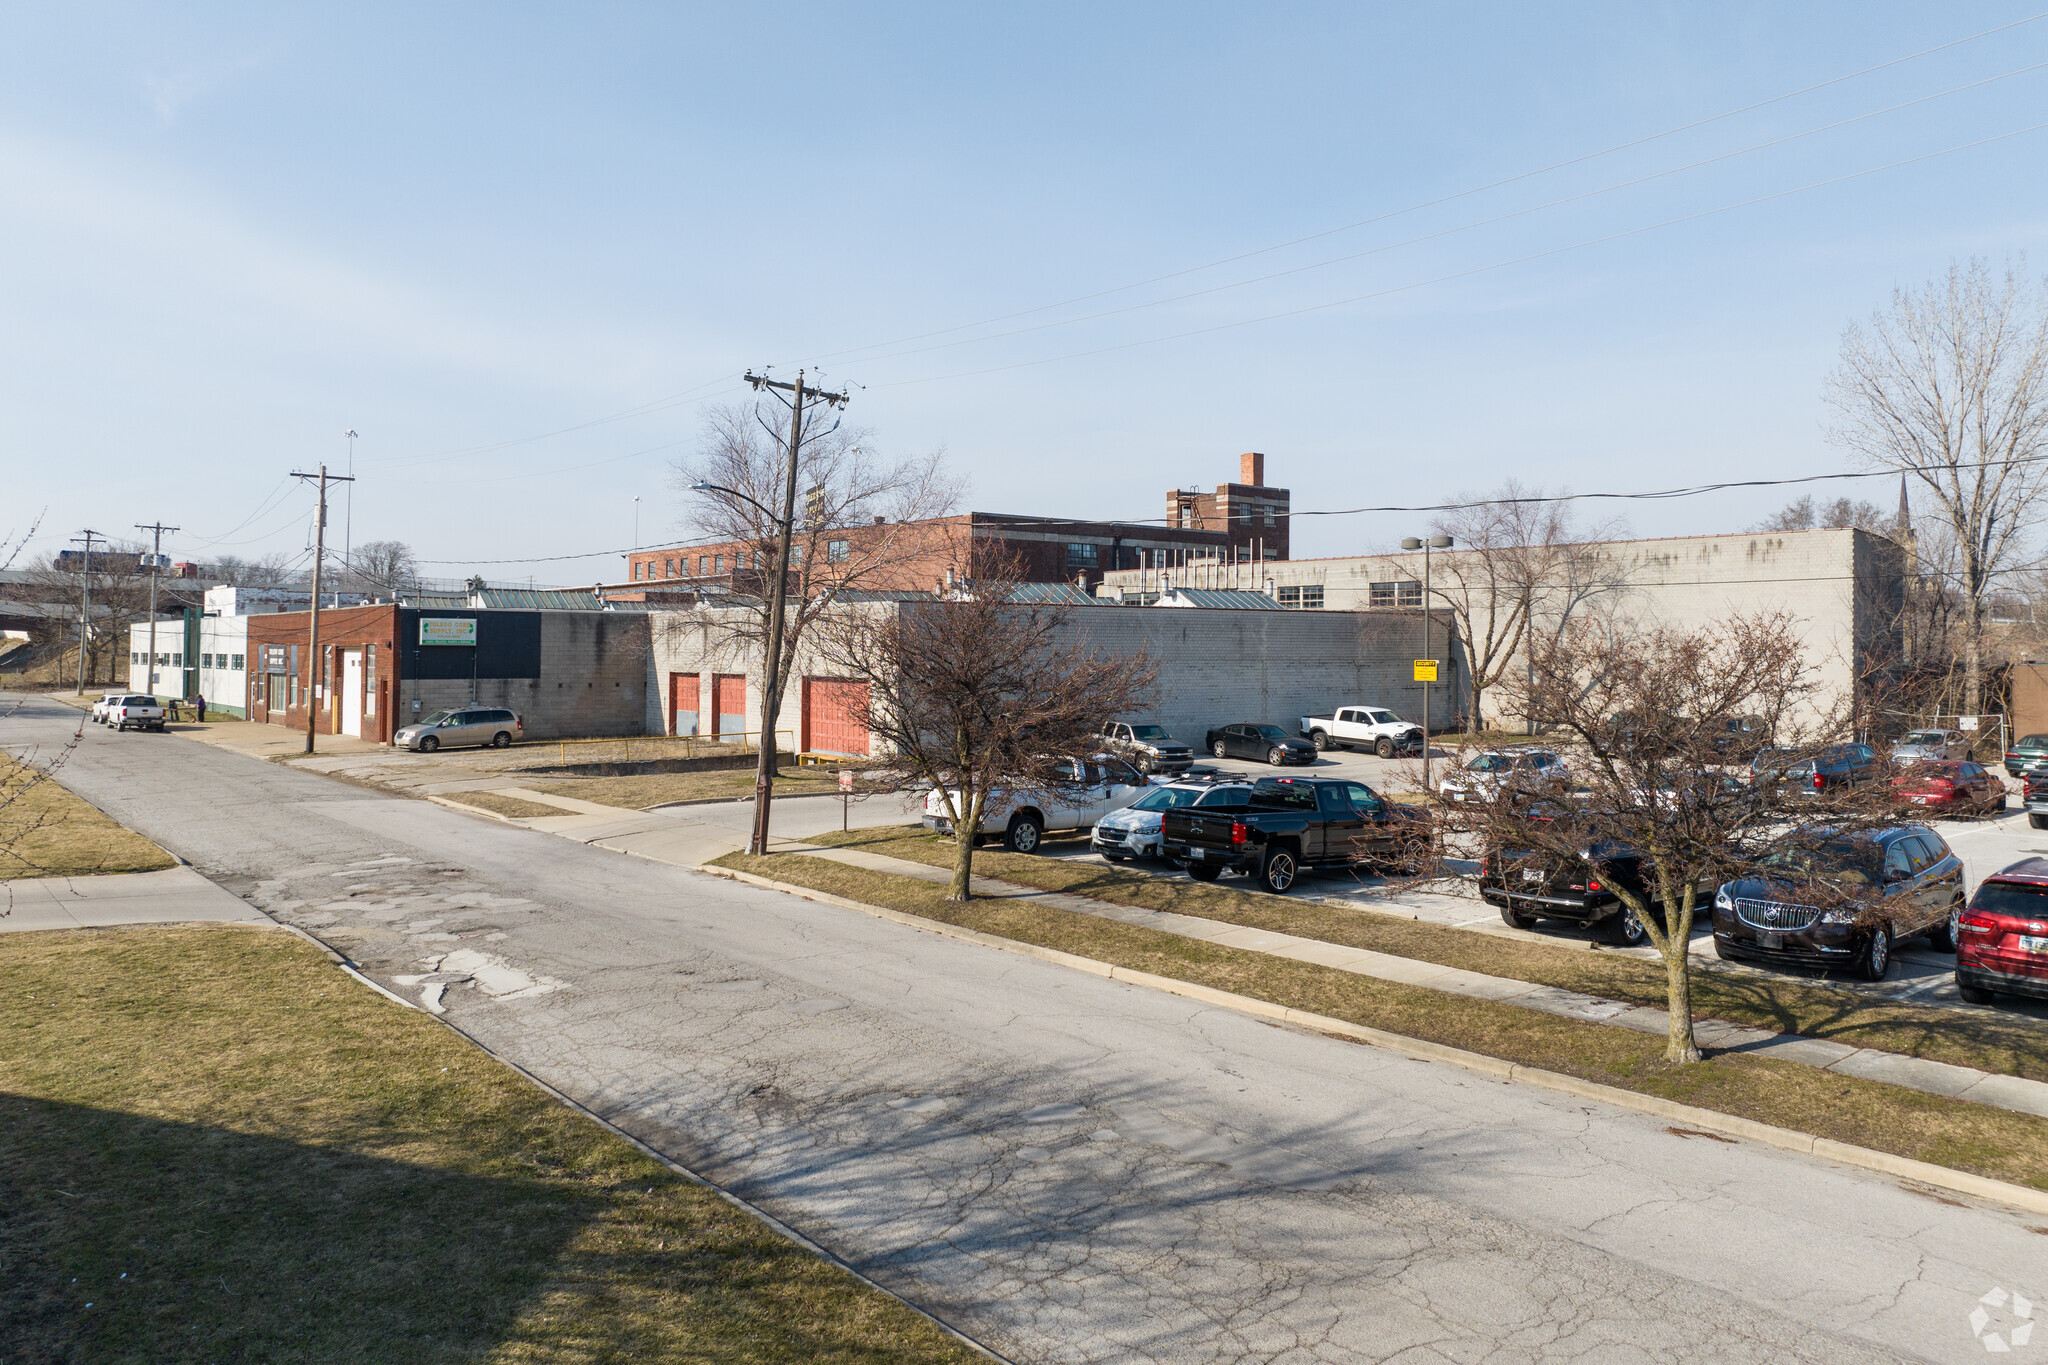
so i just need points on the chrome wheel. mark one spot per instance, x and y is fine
(1278, 873)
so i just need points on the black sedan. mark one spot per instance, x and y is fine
(1261, 744)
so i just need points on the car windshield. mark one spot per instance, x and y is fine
(1383, 717)
(1167, 798)
(1149, 732)
(1269, 732)
(1925, 737)
(437, 718)
(2004, 898)
(1855, 862)
(1488, 763)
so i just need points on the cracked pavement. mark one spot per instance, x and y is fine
(1067, 1168)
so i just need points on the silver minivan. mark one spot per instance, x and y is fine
(492, 726)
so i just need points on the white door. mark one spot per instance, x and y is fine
(352, 692)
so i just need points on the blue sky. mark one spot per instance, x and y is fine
(232, 233)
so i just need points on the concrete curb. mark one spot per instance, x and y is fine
(1706, 1120)
(452, 804)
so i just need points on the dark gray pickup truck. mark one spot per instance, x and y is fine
(1287, 824)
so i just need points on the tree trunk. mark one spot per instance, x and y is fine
(1973, 656)
(966, 830)
(1680, 1045)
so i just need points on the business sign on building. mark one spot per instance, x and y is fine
(447, 630)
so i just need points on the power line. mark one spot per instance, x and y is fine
(1449, 198)
(1475, 270)
(1461, 227)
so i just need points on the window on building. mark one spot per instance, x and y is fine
(1269, 516)
(236, 666)
(1187, 516)
(1244, 511)
(1411, 593)
(134, 656)
(1311, 597)
(836, 551)
(739, 559)
(1289, 597)
(796, 554)
(206, 661)
(1380, 595)
(718, 563)
(668, 568)
(703, 564)
(1082, 556)
(637, 567)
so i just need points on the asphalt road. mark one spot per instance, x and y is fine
(1067, 1168)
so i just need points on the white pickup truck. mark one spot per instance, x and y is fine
(1363, 727)
(1088, 791)
(144, 713)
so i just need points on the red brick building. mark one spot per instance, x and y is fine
(1237, 523)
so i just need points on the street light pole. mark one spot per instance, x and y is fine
(1432, 543)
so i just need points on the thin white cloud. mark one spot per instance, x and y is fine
(170, 92)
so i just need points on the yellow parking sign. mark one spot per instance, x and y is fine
(1425, 670)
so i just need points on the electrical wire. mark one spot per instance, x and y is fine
(1651, 495)
(1449, 198)
(1466, 274)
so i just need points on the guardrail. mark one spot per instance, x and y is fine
(628, 748)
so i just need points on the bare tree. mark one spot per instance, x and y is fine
(856, 527)
(386, 568)
(119, 596)
(983, 696)
(1646, 715)
(11, 544)
(1519, 564)
(1803, 514)
(270, 571)
(1950, 386)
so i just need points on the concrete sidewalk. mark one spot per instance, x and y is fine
(176, 895)
(1913, 1073)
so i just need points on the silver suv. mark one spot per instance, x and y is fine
(1148, 746)
(492, 726)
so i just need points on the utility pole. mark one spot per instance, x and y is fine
(348, 513)
(156, 554)
(1433, 543)
(771, 690)
(84, 603)
(317, 690)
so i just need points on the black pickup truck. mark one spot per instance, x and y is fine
(1290, 823)
(1528, 885)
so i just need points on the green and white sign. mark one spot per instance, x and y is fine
(447, 630)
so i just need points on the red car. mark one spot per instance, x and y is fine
(2002, 939)
(1962, 786)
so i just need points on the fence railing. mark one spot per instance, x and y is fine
(640, 748)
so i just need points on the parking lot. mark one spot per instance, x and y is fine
(1919, 972)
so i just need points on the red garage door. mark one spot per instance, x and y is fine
(835, 716)
(729, 702)
(683, 702)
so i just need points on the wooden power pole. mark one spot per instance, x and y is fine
(316, 689)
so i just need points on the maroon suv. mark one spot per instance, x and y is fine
(2002, 946)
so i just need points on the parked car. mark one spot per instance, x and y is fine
(1938, 785)
(1837, 903)
(1135, 831)
(1671, 790)
(1363, 727)
(490, 726)
(143, 713)
(1148, 746)
(2002, 943)
(1286, 824)
(2028, 751)
(104, 705)
(1260, 743)
(1830, 769)
(1922, 746)
(2034, 795)
(1529, 886)
(1486, 776)
(1741, 737)
(1083, 791)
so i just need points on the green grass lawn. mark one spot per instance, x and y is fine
(46, 831)
(1990, 1040)
(216, 1147)
(1932, 1128)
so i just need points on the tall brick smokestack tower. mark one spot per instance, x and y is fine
(1254, 514)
